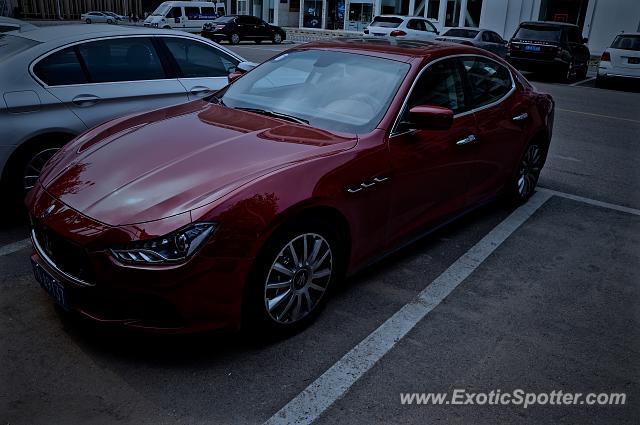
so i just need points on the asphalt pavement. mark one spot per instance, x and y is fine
(541, 298)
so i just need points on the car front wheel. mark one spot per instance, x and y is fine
(88, 21)
(292, 277)
(277, 38)
(234, 38)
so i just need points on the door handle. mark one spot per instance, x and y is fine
(470, 138)
(84, 100)
(520, 117)
(200, 91)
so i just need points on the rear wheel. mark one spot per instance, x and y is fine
(523, 185)
(292, 277)
(234, 38)
(582, 74)
(109, 21)
(88, 21)
(277, 38)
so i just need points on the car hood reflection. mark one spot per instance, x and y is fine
(179, 162)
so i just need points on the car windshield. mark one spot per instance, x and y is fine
(627, 42)
(334, 91)
(462, 33)
(11, 45)
(161, 10)
(539, 33)
(386, 22)
(224, 19)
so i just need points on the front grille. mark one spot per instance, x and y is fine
(66, 255)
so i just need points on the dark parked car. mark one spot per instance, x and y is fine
(246, 207)
(555, 46)
(484, 39)
(236, 28)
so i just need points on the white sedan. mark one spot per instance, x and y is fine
(401, 27)
(97, 17)
(621, 60)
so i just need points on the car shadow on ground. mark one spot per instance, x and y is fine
(206, 348)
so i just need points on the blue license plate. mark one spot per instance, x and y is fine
(49, 284)
(530, 48)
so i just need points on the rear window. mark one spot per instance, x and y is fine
(11, 45)
(386, 22)
(459, 32)
(225, 19)
(539, 33)
(627, 42)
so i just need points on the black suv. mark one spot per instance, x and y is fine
(555, 46)
(235, 28)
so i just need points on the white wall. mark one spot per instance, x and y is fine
(609, 18)
(286, 18)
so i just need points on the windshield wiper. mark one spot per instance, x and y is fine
(276, 115)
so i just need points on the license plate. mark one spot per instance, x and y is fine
(377, 34)
(49, 284)
(530, 48)
(634, 60)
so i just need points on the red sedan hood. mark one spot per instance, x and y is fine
(170, 161)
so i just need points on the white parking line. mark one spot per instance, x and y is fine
(14, 247)
(598, 115)
(336, 381)
(586, 80)
(594, 202)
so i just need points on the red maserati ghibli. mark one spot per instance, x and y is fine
(248, 207)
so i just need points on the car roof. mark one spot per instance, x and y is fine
(399, 16)
(400, 49)
(549, 23)
(79, 32)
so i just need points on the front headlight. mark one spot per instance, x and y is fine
(155, 24)
(172, 248)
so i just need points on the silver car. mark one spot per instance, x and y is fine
(484, 39)
(56, 82)
(97, 18)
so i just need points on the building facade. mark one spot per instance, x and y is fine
(600, 20)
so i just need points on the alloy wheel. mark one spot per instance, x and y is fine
(34, 167)
(298, 278)
(529, 171)
(277, 39)
(235, 39)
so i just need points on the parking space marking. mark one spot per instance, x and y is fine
(586, 80)
(590, 201)
(14, 247)
(598, 115)
(307, 406)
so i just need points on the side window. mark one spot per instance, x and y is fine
(199, 60)
(192, 13)
(486, 36)
(441, 84)
(60, 68)
(415, 24)
(208, 12)
(121, 59)
(496, 38)
(242, 20)
(430, 27)
(175, 12)
(489, 81)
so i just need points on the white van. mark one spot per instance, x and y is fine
(185, 15)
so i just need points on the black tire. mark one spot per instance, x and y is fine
(109, 21)
(602, 82)
(17, 169)
(565, 73)
(525, 179)
(234, 38)
(258, 319)
(277, 38)
(582, 74)
(88, 21)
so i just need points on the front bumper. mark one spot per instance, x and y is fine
(215, 36)
(606, 70)
(201, 294)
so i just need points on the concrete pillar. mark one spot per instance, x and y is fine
(442, 12)
(412, 7)
(463, 13)
(276, 12)
(324, 15)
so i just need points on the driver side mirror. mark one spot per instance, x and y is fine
(585, 40)
(430, 117)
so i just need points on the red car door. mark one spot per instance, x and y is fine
(501, 124)
(429, 171)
